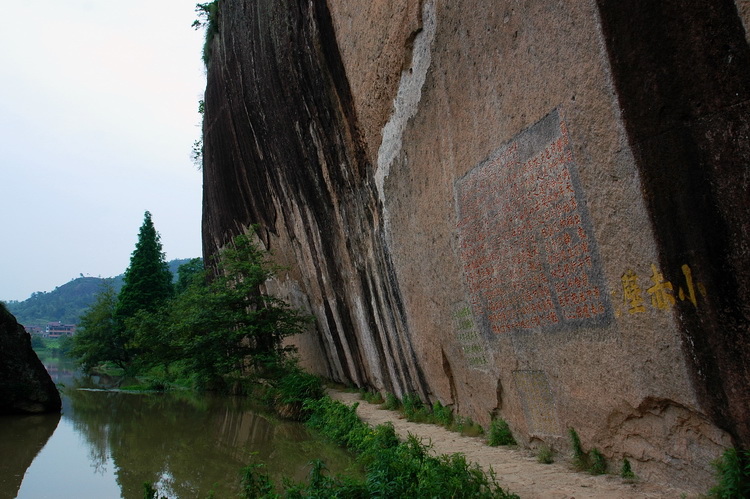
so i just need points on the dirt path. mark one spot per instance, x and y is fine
(517, 470)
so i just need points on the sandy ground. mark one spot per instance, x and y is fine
(517, 470)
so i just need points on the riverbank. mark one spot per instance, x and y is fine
(516, 469)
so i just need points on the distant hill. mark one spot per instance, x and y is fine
(66, 303)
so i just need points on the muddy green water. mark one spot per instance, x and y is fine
(108, 443)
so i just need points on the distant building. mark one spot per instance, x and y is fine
(35, 330)
(58, 329)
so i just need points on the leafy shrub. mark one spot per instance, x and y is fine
(500, 433)
(255, 482)
(208, 18)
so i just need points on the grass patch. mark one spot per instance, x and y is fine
(580, 459)
(371, 397)
(466, 426)
(732, 474)
(593, 462)
(626, 471)
(391, 402)
(286, 386)
(416, 411)
(393, 468)
(442, 415)
(545, 455)
(500, 433)
(598, 463)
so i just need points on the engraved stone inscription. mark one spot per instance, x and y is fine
(525, 238)
(472, 343)
(537, 401)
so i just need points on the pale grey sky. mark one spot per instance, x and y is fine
(98, 113)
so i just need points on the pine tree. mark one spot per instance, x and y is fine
(148, 281)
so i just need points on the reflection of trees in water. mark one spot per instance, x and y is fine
(61, 370)
(187, 442)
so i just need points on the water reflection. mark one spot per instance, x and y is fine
(21, 439)
(186, 443)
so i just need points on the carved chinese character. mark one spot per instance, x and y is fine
(691, 289)
(631, 293)
(661, 291)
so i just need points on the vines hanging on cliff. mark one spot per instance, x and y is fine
(208, 18)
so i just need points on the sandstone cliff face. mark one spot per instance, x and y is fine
(523, 209)
(25, 385)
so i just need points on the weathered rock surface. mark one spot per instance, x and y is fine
(528, 209)
(25, 385)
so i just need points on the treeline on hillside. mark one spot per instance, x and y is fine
(210, 332)
(66, 303)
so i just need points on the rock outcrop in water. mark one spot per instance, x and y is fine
(25, 385)
(532, 210)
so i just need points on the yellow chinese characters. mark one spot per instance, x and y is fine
(631, 292)
(661, 291)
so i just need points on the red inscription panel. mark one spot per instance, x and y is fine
(525, 237)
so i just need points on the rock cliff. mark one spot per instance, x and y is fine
(25, 385)
(531, 210)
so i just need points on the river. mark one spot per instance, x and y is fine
(107, 443)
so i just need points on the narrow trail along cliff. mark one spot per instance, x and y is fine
(517, 470)
(532, 210)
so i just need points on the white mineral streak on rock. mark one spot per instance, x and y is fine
(406, 103)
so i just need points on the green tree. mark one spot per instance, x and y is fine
(96, 340)
(187, 273)
(148, 281)
(152, 331)
(223, 327)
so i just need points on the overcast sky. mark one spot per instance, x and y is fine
(98, 114)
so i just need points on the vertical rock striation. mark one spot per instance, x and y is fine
(531, 209)
(25, 385)
(282, 149)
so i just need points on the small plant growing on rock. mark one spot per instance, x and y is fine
(371, 397)
(414, 410)
(500, 433)
(442, 415)
(625, 471)
(580, 459)
(391, 402)
(544, 455)
(467, 426)
(598, 462)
